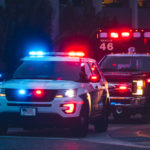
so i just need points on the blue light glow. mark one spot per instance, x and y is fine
(113, 103)
(22, 92)
(37, 53)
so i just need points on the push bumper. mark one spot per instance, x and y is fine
(131, 104)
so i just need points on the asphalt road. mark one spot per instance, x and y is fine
(130, 135)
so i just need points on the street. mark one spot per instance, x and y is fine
(132, 134)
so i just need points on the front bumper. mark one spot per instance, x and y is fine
(48, 114)
(38, 121)
(135, 104)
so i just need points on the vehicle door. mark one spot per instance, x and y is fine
(98, 95)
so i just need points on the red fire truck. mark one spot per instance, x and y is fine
(125, 62)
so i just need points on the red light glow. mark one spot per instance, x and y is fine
(69, 108)
(93, 68)
(38, 92)
(125, 34)
(114, 65)
(114, 35)
(123, 87)
(148, 80)
(94, 78)
(76, 54)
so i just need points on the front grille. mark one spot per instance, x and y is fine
(13, 95)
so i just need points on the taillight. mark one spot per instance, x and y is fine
(69, 108)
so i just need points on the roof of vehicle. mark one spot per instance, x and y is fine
(129, 55)
(57, 58)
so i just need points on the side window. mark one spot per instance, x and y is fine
(87, 70)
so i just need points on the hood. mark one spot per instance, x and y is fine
(40, 84)
(118, 76)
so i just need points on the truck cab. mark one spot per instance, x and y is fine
(128, 77)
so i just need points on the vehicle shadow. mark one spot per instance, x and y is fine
(132, 120)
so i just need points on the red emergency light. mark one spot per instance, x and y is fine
(125, 34)
(114, 35)
(76, 54)
(38, 92)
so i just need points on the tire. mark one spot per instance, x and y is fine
(121, 114)
(3, 130)
(101, 124)
(81, 129)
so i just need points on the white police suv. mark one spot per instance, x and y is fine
(55, 90)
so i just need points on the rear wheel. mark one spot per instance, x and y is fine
(121, 114)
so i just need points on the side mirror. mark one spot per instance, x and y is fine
(94, 78)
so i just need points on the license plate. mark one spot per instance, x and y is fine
(28, 112)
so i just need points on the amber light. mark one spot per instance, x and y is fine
(69, 108)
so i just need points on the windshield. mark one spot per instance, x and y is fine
(125, 64)
(54, 70)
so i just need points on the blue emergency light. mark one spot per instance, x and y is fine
(37, 53)
(22, 92)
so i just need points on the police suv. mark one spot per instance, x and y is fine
(128, 77)
(55, 90)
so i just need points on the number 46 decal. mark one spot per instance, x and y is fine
(106, 46)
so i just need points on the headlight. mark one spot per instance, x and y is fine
(66, 93)
(2, 92)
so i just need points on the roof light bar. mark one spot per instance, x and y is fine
(41, 53)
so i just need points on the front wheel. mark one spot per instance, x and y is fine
(81, 129)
